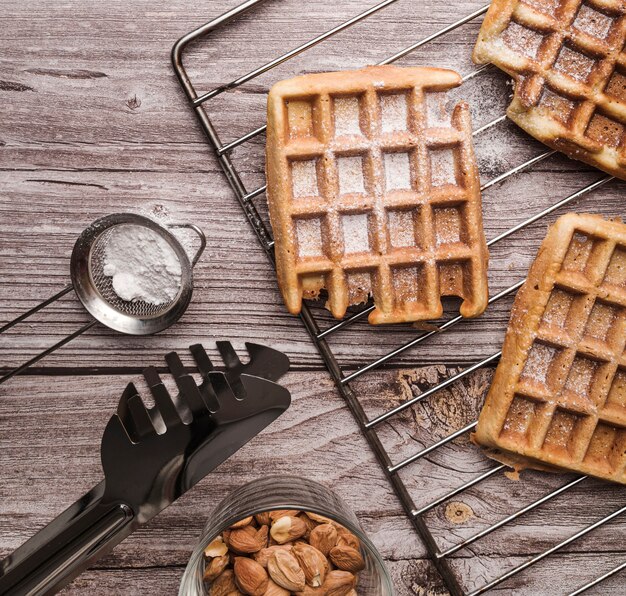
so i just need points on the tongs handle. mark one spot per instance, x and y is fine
(64, 548)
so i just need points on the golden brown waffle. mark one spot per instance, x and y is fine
(373, 190)
(559, 392)
(567, 59)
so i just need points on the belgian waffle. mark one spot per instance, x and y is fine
(567, 59)
(559, 392)
(373, 190)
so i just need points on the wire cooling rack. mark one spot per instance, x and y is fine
(200, 102)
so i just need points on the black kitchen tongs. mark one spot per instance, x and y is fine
(150, 457)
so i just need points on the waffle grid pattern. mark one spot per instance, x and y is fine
(567, 407)
(570, 69)
(376, 193)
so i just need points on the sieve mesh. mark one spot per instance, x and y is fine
(104, 284)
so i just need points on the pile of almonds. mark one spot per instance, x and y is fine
(278, 553)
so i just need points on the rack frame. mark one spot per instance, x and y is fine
(319, 337)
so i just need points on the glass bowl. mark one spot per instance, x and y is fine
(285, 492)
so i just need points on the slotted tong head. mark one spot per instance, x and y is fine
(151, 456)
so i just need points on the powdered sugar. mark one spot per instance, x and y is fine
(397, 171)
(447, 225)
(309, 235)
(355, 233)
(442, 169)
(347, 116)
(393, 112)
(592, 22)
(574, 64)
(581, 375)
(142, 264)
(538, 362)
(545, 6)
(437, 114)
(522, 40)
(401, 228)
(304, 178)
(350, 172)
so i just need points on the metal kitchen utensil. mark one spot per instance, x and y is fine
(150, 457)
(201, 100)
(95, 289)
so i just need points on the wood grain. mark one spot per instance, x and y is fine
(94, 122)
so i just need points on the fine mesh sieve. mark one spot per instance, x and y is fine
(104, 283)
(95, 289)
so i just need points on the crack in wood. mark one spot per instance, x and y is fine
(68, 74)
(67, 182)
(13, 86)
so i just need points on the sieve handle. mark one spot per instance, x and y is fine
(200, 234)
(68, 288)
(22, 367)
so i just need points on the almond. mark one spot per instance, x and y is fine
(216, 548)
(262, 535)
(287, 528)
(347, 538)
(224, 584)
(309, 523)
(247, 540)
(347, 558)
(323, 538)
(309, 591)
(312, 562)
(250, 577)
(320, 519)
(215, 567)
(274, 515)
(264, 554)
(263, 519)
(273, 589)
(242, 523)
(284, 570)
(339, 583)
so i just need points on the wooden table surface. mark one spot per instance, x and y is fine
(92, 121)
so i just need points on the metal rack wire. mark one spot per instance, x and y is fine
(342, 379)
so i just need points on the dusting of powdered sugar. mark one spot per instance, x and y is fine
(347, 116)
(592, 22)
(401, 228)
(522, 40)
(393, 112)
(350, 172)
(355, 233)
(304, 178)
(397, 171)
(538, 361)
(573, 63)
(142, 265)
(437, 113)
(309, 234)
(442, 167)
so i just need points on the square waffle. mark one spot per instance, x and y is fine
(567, 59)
(373, 190)
(559, 392)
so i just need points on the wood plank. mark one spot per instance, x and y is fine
(236, 294)
(317, 438)
(94, 122)
(75, 168)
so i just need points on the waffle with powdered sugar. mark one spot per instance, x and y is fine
(373, 190)
(568, 61)
(559, 393)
